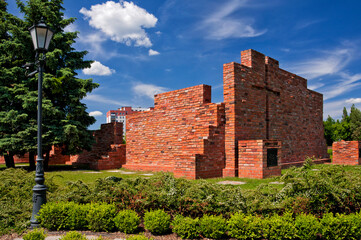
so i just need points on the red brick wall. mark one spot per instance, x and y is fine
(263, 101)
(183, 134)
(346, 152)
(252, 161)
(17, 159)
(108, 152)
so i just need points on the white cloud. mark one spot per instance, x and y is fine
(96, 113)
(334, 109)
(345, 84)
(353, 100)
(148, 90)
(100, 99)
(95, 40)
(153, 52)
(221, 25)
(315, 86)
(123, 22)
(329, 63)
(96, 68)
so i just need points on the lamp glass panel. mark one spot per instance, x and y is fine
(41, 32)
(33, 37)
(48, 39)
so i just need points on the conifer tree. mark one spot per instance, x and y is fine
(65, 119)
(355, 123)
(13, 49)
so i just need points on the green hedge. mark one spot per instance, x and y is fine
(103, 217)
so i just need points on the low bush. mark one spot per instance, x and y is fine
(100, 217)
(244, 226)
(186, 227)
(15, 200)
(63, 215)
(157, 221)
(212, 226)
(73, 235)
(308, 227)
(36, 234)
(127, 221)
(279, 227)
(138, 237)
(341, 226)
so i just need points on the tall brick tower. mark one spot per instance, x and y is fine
(270, 114)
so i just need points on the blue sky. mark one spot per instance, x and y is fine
(146, 47)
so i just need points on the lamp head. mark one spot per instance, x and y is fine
(41, 35)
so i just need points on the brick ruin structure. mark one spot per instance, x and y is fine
(268, 120)
(346, 152)
(107, 152)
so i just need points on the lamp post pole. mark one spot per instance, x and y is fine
(39, 190)
(41, 35)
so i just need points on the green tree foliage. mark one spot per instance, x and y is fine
(348, 129)
(14, 48)
(65, 119)
(355, 123)
(329, 130)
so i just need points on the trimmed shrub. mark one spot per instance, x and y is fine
(63, 215)
(307, 227)
(279, 227)
(355, 221)
(139, 237)
(242, 226)
(186, 227)
(212, 226)
(157, 221)
(73, 235)
(127, 221)
(340, 226)
(100, 217)
(36, 234)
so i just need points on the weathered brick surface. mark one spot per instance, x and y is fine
(107, 152)
(346, 152)
(186, 134)
(183, 134)
(252, 161)
(263, 101)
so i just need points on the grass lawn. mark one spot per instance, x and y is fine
(62, 177)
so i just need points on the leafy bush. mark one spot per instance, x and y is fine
(186, 227)
(127, 221)
(15, 199)
(279, 227)
(63, 215)
(242, 226)
(100, 217)
(307, 227)
(213, 226)
(157, 221)
(355, 221)
(327, 189)
(340, 226)
(139, 237)
(36, 234)
(73, 235)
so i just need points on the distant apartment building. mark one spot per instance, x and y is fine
(120, 115)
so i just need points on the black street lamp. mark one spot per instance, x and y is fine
(41, 35)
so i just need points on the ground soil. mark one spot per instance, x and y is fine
(105, 235)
